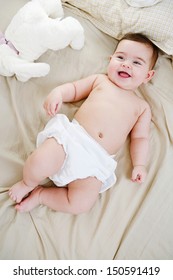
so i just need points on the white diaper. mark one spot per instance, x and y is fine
(84, 156)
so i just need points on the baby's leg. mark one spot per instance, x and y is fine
(77, 198)
(45, 161)
(83, 194)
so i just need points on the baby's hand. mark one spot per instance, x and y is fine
(139, 173)
(52, 103)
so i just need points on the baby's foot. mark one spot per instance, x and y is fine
(18, 191)
(31, 201)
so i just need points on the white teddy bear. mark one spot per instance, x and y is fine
(37, 27)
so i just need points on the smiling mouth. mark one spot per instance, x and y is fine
(123, 74)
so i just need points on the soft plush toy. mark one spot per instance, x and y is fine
(37, 27)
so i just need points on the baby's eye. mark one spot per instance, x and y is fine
(120, 57)
(137, 62)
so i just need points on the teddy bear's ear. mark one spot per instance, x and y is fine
(53, 8)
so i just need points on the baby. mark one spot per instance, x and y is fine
(78, 156)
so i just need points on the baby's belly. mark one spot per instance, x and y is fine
(106, 135)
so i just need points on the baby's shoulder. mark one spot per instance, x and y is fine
(101, 80)
(145, 104)
(102, 77)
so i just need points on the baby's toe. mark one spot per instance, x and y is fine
(13, 197)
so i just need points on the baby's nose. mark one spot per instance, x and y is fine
(126, 64)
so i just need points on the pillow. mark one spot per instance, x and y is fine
(117, 17)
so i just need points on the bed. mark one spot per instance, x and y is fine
(129, 221)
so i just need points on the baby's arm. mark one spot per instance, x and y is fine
(69, 92)
(139, 145)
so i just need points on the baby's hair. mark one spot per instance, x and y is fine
(139, 37)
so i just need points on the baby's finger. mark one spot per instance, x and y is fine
(53, 109)
(46, 107)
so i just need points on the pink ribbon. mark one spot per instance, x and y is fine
(3, 40)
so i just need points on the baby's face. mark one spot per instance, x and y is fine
(130, 65)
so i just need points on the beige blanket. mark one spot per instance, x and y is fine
(129, 221)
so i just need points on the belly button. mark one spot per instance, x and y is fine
(100, 135)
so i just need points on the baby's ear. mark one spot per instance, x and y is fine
(149, 76)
